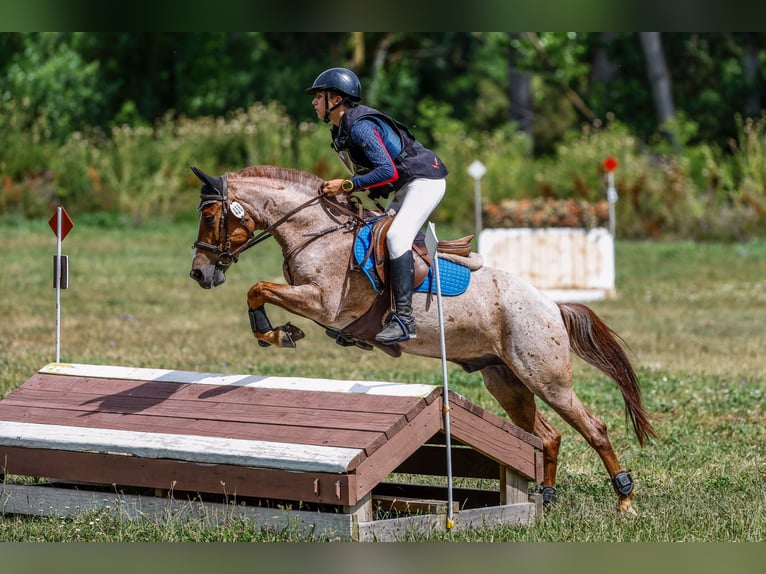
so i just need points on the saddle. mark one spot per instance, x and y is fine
(421, 260)
(362, 331)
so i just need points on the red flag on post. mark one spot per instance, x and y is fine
(610, 164)
(66, 223)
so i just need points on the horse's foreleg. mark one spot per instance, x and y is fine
(301, 300)
(283, 336)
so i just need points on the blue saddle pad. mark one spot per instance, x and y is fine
(454, 277)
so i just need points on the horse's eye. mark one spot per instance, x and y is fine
(210, 219)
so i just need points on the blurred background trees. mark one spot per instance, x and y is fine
(93, 118)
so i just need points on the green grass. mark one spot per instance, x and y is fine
(692, 315)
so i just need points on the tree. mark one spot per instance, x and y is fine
(753, 81)
(548, 83)
(659, 78)
(56, 88)
(520, 100)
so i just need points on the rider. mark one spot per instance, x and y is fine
(383, 156)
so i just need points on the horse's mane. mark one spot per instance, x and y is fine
(275, 172)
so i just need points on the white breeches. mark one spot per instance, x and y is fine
(413, 204)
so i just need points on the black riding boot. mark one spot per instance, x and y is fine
(400, 326)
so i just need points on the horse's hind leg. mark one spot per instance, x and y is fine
(567, 404)
(519, 402)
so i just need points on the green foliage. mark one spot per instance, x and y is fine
(77, 79)
(110, 122)
(55, 87)
(142, 171)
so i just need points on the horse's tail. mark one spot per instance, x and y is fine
(595, 342)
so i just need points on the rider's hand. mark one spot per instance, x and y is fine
(332, 187)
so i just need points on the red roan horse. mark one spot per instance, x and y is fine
(518, 338)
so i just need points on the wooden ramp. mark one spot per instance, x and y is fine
(150, 440)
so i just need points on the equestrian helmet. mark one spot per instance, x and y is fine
(340, 80)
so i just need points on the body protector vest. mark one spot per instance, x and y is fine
(412, 162)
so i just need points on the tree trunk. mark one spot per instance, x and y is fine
(357, 41)
(520, 104)
(659, 76)
(378, 61)
(603, 70)
(751, 64)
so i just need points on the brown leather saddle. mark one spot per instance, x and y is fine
(420, 257)
(361, 333)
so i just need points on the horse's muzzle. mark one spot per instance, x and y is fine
(208, 277)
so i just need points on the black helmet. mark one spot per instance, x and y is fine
(339, 79)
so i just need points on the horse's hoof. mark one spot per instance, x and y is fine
(626, 506)
(549, 496)
(289, 334)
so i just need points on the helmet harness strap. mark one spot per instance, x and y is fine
(328, 109)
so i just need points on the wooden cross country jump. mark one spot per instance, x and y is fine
(153, 440)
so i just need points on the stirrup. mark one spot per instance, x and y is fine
(407, 332)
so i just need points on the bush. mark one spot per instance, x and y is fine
(142, 171)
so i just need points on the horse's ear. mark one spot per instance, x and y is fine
(214, 183)
(201, 175)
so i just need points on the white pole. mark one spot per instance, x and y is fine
(477, 170)
(432, 241)
(58, 283)
(611, 197)
(477, 206)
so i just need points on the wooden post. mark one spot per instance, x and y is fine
(360, 512)
(513, 486)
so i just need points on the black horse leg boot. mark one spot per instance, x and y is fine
(400, 326)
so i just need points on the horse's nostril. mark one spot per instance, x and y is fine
(195, 274)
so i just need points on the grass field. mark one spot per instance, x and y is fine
(693, 316)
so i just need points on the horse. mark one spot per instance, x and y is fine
(517, 337)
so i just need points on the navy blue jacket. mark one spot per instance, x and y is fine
(382, 153)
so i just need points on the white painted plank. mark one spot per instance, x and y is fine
(396, 529)
(190, 448)
(256, 381)
(45, 500)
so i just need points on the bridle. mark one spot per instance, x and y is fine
(225, 255)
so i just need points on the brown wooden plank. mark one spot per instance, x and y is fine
(493, 441)
(495, 420)
(208, 410)
(230, 480)
(367, 410)
(188, 426)
(228, 394)
(396, 450)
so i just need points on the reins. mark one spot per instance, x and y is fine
(266, 233)
(226, 256)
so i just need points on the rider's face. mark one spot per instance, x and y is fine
(318, 101)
